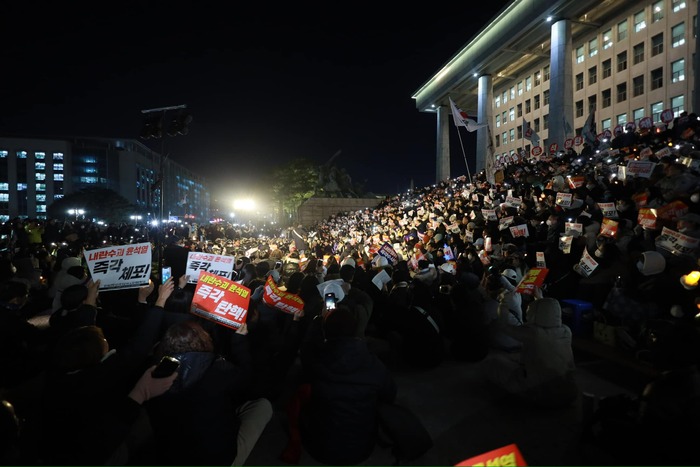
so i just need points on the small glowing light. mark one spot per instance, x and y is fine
(549, 19)
(690, 281)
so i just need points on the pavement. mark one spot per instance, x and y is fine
(466, 418)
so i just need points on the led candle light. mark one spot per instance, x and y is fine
(690, 280)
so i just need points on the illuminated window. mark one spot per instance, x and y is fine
(678, 5)
(511, 114)
(677, 105)
(678, 71)
(57, 197)
(4, 186)
(21, 187)
(622, 119)
(520, 88)
(3, 154)
(678, 35)
(606, 124)
(546, 73)
(593, 47)
(537, 79)
(88, 179)
(579, 54)
(40, 156)
(528, 84)
(640, 21)
(41, 198)
(497, 101)
(39, 166)
(58, 167)
(4, 197)
(58, 177)
(607, 39)
(498, 121)
(58, 156)
(40, 176)
(90, 170)
(40, 208)
(21, 154)
(41, 187)
(638, 114)
(657, 11)
(656, 109)
(512, 92)
(512, 134)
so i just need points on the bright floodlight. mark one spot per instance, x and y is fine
(244, 204)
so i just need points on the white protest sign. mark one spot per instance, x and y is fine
(573, 226)
(519, 231)
(676, 242)
(539, 255)
(218, 265)
(120, 266)
(608, 210)
(513, 202)
(641, 169)
(586, 264)
(564, 199)
(489, 214)
(565, 243)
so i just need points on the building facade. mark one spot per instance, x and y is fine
(550, 64)
(34, 172)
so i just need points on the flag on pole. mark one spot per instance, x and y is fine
(567, 128)
(530, 134)
(588, 132)
(462, 119)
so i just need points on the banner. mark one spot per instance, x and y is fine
(672, 211)
(220, 300)
(218, 265)
(609, 228)
(586, 264)
(281, 300)
(641, 169)
(539, 257)
(388, 252)
(564, 199)
(608, 210)
(647, 218)
(676, 242)
(519, 231)
(565, 243)
(534, 278)
(120, 266)
(507, 455)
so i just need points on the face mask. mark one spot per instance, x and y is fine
(549, 222)
(598, 254)
(695, 197)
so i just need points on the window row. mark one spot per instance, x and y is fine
(523, 86)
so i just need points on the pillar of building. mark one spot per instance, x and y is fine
(484, 145)
(442, 162)
(696, 71)
(561, 92)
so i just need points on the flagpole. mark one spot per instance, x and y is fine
(464, 154)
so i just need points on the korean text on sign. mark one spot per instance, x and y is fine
(120, 266)
(219, 265)
(220, 300)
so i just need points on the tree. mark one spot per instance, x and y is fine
(292, 184)
(97, 202)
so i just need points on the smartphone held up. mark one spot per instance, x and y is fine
(165, 274)
(166, 367)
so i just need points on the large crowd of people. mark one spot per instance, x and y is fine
(433, 273)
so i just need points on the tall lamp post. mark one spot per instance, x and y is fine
(153, 128)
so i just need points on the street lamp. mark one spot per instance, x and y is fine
(76, 212)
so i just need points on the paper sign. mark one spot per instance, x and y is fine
(281, 300)
(564, 199)
(573, 226)
(641, 169)
(609, 228)
(676, 242)
(539, 257)
(505, 222)
(120, 266)
(388, 252)
(506, 456)
(534, 278)
(608, 210)
(647, 218)
(381, 279)
(469, 236)
(586, 264)
(565, 243)
(218, 265)
(576, 181)
(519, 231)
(489, 214)
(640, 199)
(513, 202)
(220, 300)
(672, 211)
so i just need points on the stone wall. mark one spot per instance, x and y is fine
(316, 209)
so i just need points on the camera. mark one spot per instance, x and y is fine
(166, 367)
(330, 301)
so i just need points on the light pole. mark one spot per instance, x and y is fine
(153, 128)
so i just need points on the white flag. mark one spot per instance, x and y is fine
(530, 134)
(462, 119)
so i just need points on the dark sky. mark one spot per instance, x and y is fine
(265, 84)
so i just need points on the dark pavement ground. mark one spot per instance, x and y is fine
(466, 418)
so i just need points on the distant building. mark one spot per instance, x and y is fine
(36, 171)
(551, 63)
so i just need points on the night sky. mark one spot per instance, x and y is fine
(264, 84)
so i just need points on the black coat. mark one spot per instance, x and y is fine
(339, 426)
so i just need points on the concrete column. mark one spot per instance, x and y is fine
(696, 67)
(442, 162)
(484, 142)
(561, 92)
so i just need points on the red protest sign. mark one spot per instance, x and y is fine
(608, 228)
(569, 143)
(578, 140)
(647, 218)
(220, 300)
(672, 211)
(536, 151)
(281, 300)
(534, 278)
(667, 116)
(554, 147)
(646, 123)
(507, 455)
